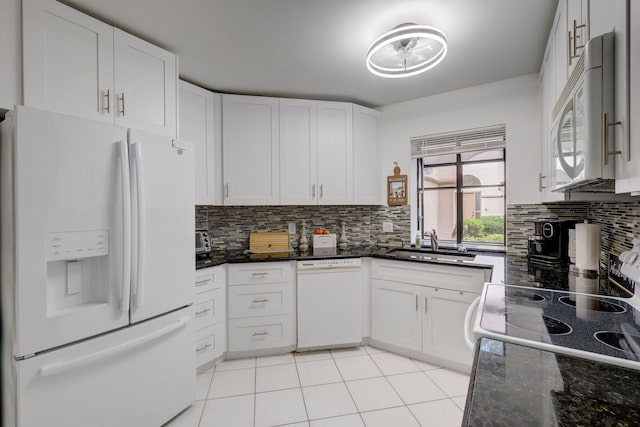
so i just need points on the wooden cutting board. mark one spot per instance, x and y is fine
(262, 242)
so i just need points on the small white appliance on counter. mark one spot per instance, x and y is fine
(323, 241)
(329, 303)
(97, 273)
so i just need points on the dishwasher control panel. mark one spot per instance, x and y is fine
(329, 263)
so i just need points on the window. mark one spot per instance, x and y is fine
(461, 186)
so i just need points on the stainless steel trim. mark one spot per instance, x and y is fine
(260, 274)
(256, 334)
(255, 301)
(204, 347)
(198, 313)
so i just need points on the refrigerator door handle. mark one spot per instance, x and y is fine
(141, 226)
(126, 226)
(62, 367)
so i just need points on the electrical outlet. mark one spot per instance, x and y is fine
(387, 227)
(292, 228)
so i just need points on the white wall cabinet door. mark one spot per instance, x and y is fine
(561, 47)
(616, 16)
(145, 85)
(577, 30)
(68, 61)
(250, 150)
(366, 168)
(200, 122)
(298, 152)
(443, 322)
(548, 98)
(396, 317)
(335, 153)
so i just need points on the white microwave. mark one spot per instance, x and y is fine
(582, 138)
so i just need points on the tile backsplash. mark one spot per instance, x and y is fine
(619, 221)
(230, 226)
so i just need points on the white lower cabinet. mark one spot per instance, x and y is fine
(396, 318)
(421, 308)
(210, 314)
(261, 306)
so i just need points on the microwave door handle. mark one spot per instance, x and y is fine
(126, 226)
(565, 166)
(139, 168)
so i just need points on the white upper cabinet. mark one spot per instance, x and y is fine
(77, 65)
(298, 152)
(577, 30)
(200, 122)
(68, 61)
(146, 82)
(611, 16)
(250, 140)
(561, 43)
(335, 153)
(366, 169)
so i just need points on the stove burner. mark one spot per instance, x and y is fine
(594, 304)
(623, 342)
(523, 295)
(531, 322)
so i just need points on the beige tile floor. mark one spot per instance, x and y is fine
(338, 388)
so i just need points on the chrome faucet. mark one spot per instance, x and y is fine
(434, 240)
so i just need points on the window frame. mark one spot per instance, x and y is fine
(459, 187)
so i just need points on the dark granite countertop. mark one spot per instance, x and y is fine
(517, 385)
(238, 256)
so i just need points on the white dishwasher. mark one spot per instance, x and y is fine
(329, 303)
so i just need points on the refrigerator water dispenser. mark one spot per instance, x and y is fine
(77, 271)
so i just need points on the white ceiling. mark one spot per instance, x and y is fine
(316, 48)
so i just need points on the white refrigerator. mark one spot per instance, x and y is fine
(97, 273)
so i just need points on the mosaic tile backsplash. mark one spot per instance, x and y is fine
(619, 222)
(230, 226)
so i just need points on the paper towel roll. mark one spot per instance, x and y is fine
(588, 246)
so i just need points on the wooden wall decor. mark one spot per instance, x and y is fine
(397, 188)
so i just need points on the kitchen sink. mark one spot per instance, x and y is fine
(429, 255)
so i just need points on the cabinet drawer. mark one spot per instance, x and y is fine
(209, 279)
(210, 343)
(458, 278)
(261, 332)
(260, 300)
(267, 272)
(209, 308)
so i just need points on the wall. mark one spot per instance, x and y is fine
(620, 222)
(230, 226)
(11, 49)
(514, 102)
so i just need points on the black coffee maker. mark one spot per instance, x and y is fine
(550, 241)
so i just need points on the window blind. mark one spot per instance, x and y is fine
(458, 142)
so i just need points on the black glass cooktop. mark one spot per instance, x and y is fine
(578, 321)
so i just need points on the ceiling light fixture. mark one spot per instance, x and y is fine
(407, 50)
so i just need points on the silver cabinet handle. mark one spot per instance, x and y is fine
(204, 347)
(313, 191)
(416, 302)
(260, 274)
(122, 100)
(573, 51)
(226, 190)
(201, 312)
(256, 301)
(569, 46)
(540, 178)
(202, 282)
(605, 138)
(256, 334)
(425, 305)
(107, 95)
(321, 191)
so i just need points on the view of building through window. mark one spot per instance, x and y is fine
(462, 197)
